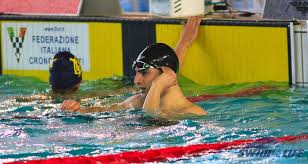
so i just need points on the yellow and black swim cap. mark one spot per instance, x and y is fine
(156, 56)
(65, 71)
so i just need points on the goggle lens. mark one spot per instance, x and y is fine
(140, 65)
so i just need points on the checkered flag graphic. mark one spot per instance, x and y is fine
(17, 46)
(17, 41)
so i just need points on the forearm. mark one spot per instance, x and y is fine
(181, 50)
(187, 37)
(32, 98)
(110, 108)
(152, 100)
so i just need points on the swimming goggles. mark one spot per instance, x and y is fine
(140, 65)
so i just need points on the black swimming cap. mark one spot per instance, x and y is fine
(157, 55)
(65, 71)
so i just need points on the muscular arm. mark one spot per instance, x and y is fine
(188, 35)
(152, 100)
(164, 81)
(132, 102)
(109, 108)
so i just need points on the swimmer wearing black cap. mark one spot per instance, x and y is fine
(156, 68)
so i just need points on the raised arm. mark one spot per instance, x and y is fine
(187, 37)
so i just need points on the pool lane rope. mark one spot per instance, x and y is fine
(163, 154)
(241, 93)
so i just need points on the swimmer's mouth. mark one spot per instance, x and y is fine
(142, 89)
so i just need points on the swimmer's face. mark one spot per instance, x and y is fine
(144, 78)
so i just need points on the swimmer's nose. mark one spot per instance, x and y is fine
(138, 78)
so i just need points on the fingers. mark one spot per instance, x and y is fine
(190, 30)
(198, 20)
(170, 73)
(65, 104)
(167, 70)
(167, 79)
(194, 21)
(70, 105)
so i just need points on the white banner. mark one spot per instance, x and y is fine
(31, 46)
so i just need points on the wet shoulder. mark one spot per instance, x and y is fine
(194, 109)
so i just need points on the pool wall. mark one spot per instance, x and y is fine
(301, 54)
(226, 51)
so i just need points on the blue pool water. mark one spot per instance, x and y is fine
(39, 130)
